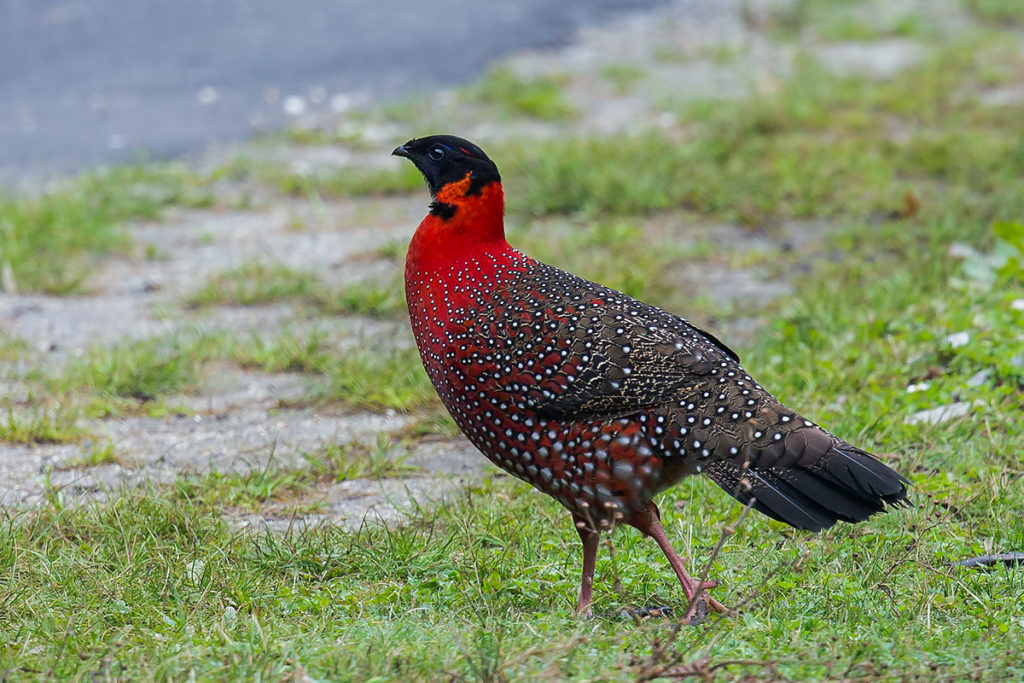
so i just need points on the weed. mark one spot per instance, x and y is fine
(377, 300)
(41, 425)
(284, 352)
(140, 371)
(99, 453)
(375, 377)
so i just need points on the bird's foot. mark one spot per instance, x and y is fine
(702, 606)
(698, 612)
(710, 603)
(697, 615)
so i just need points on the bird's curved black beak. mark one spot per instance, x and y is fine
(401, 151)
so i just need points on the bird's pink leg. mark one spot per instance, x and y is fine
(649, 523)
(590, 538)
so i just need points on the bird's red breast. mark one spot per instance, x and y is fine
(457, 251)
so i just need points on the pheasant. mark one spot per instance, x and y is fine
(597, 399)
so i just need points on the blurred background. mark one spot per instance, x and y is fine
(85, 83)
(220, 457)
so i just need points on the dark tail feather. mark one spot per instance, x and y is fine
(843, 484)
(866, 475)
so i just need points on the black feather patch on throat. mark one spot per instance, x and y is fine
(442, 210)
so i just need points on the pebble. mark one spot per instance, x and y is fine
(958, 339)
(934, 416)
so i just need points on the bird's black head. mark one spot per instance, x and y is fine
(444, 159)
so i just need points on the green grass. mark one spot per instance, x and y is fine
(668, 54)
(848, 20)
(138, 378)
(998, 12)
(285, 351)
(99, 453)
(11, 348)
(43, 424)
(50, 242)
(539, 97)
(819, 146)
(258, 486)
(323, 185)
(483, 588)
(364, 374)
(377, 300)
(127, 379)
(373, 377)
(816, 148)
(350, 182)
(614, 252)
(319, 136)
(256, 284)
(725, 53)
(141, 371)
(623, 77)
(431, 423)
(157, 585)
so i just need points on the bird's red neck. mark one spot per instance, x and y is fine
(462, 222)
(458, 251)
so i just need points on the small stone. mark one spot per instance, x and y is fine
(934, 416)
(877, 59)
(194, 571)
(340, 103)
(294, 105)
(317, 94)
(958, 339)
(207, 95)
(978, 378)
(961, 250)
(7, 281)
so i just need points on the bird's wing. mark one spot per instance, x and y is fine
(589, 352)
(632, 364)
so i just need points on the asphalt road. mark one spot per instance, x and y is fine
(84, 82)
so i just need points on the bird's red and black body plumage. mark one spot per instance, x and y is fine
(596, 398)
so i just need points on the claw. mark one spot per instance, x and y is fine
(649, 523)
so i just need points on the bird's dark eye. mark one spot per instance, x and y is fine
(436, 154)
